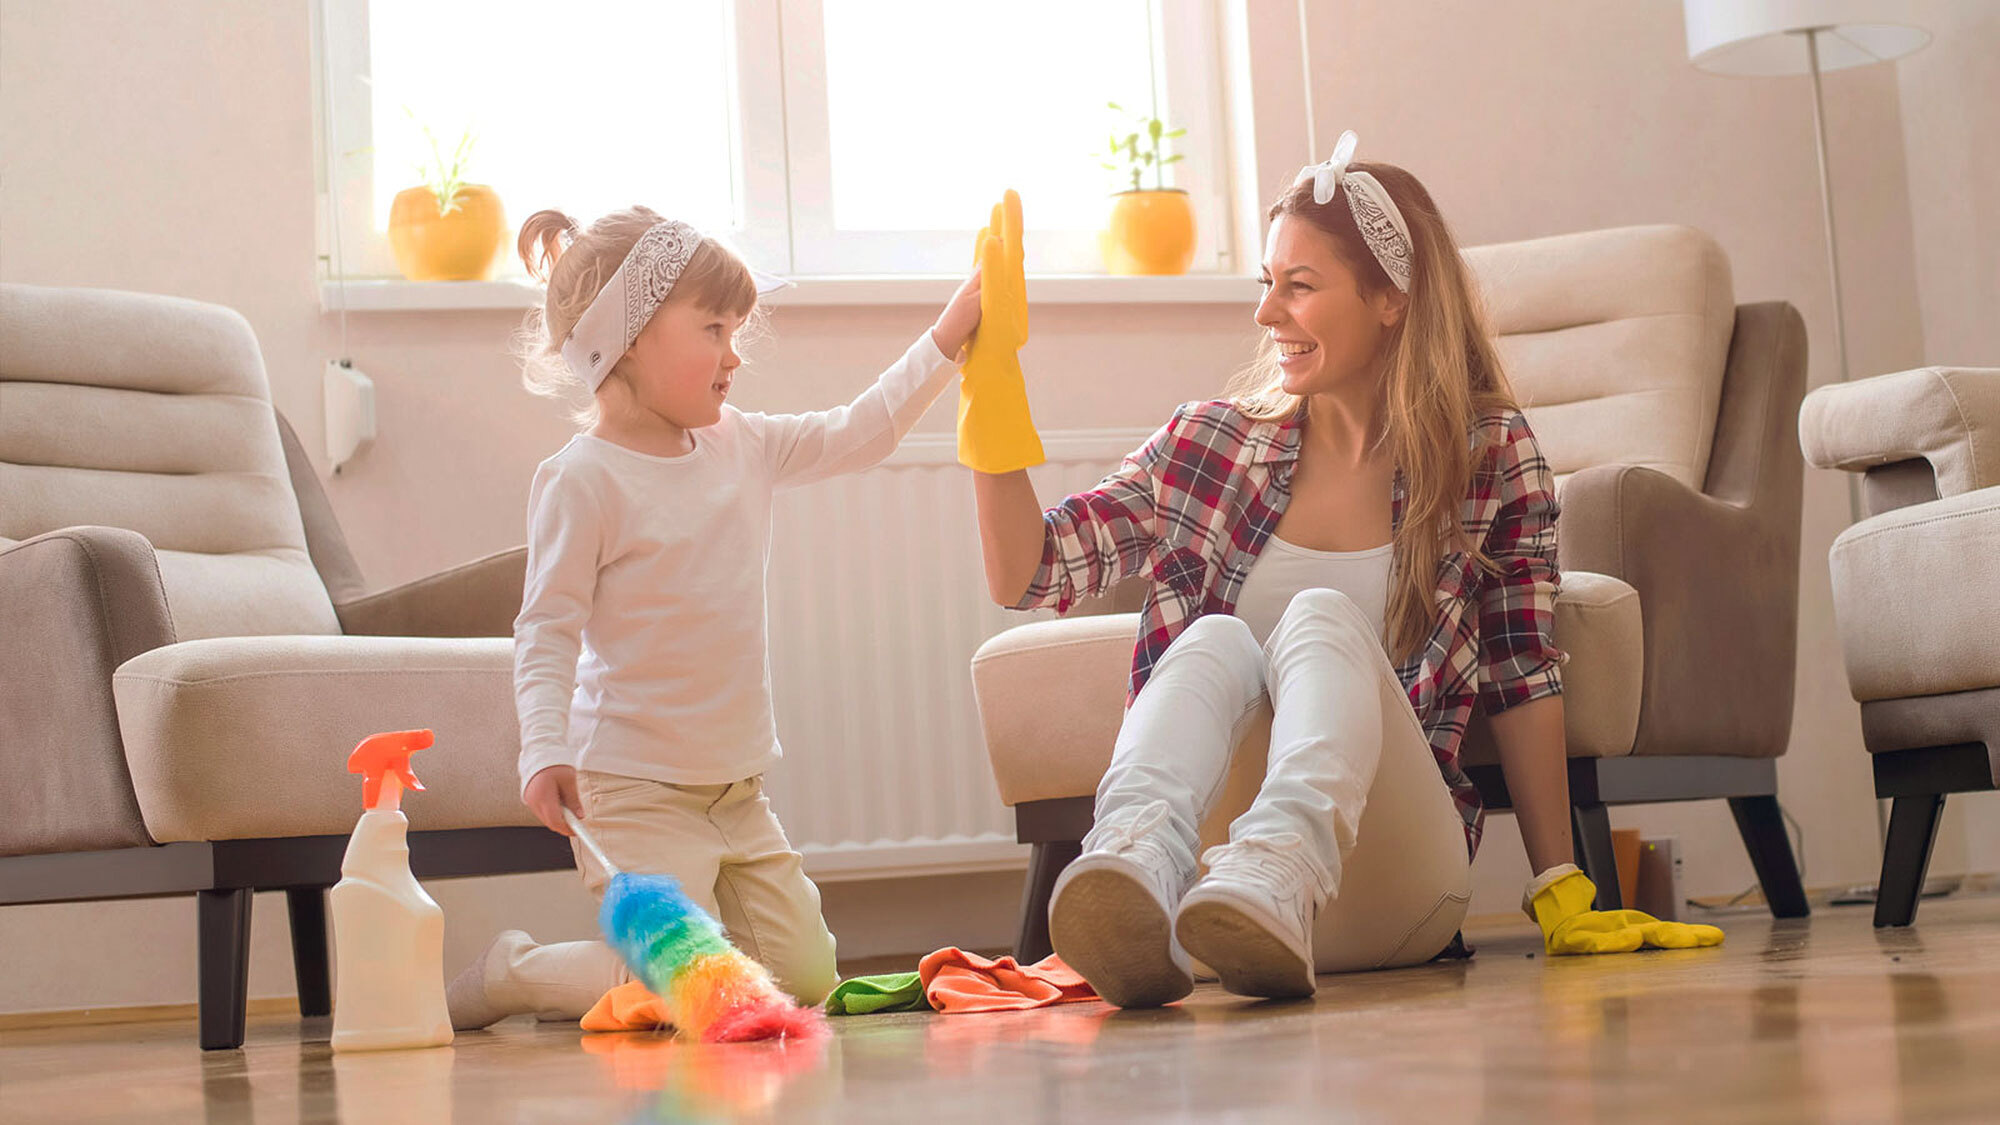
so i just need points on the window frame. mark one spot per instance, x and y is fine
(781, 167)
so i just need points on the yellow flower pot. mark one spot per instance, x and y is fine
(463, 245)
(1151, 232)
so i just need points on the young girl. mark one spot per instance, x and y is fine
(640, 670)
(1358, 544)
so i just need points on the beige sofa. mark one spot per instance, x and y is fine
(1916, 594)
(1667, 412)
(191, 653)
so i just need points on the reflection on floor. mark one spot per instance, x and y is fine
(1809, 1020)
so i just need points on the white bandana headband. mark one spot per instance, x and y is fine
(605, 331)
(1381, 224)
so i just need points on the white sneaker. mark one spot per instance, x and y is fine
(1111, 917)
(1251, 917)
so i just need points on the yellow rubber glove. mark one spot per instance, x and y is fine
(995, 432)
(1559, 901)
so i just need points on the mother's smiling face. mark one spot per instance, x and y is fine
(1329, 332)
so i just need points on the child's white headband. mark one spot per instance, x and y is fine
(1374, 212)
(605, 331)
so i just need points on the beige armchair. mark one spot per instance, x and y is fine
(1666, 411)
(1916, 594)
(183, 676)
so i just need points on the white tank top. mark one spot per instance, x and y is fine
(1283, 569)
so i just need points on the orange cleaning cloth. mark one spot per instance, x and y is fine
(957, 981)
(629, 1007)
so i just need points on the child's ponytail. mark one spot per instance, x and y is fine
(544, 236)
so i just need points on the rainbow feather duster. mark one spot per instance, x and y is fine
(715, 993)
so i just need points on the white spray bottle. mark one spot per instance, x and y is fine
(388, 933)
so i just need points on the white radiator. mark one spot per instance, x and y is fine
(877, 602)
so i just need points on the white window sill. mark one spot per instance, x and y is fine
(1044, 289)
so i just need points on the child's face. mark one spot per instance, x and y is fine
(1327, 330)
(681, 365)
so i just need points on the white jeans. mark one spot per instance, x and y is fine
(1349, 771)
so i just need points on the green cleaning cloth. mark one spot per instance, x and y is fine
(890, 992)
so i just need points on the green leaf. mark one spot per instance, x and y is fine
(1154, 128)
(1172, 159)
(1177, 133)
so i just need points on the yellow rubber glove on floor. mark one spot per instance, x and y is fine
(1559, 901)
(995, 432)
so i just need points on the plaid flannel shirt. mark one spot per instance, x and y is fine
(1193, 507)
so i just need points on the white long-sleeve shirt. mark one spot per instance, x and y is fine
(640, 647)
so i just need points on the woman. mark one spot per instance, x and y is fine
(1362, 537)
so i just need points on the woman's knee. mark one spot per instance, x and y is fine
(1320, 601)
(1219, 634)
(1319, 610)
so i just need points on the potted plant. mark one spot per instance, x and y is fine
(446, 229)
(1151, 230)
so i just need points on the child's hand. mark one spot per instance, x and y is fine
(960, 317)
(551, 791)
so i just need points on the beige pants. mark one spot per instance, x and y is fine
(730, 854)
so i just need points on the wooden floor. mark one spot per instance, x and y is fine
(1826, 1019)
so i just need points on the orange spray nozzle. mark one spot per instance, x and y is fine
(387, 756)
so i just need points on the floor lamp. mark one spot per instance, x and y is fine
(1752, 38)
(1781, 37)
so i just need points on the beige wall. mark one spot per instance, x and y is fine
(168, 148)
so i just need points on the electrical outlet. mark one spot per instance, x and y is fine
(1660, 891)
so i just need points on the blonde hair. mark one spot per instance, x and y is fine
(1443, 376)
(575, 263)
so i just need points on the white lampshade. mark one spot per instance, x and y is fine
(1759, 37)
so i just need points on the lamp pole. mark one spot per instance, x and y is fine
(1811, 34)
(1826, 197)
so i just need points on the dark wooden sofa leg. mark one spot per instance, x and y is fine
(223, 923)
(1591, 824)
(1762, 825)
(1045, 863)
(307, 906)
(1913, 828)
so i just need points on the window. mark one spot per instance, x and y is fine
(820, 136)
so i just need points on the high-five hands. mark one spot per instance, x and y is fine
(1559, 901)
(995, 432)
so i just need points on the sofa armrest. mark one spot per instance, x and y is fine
(1717, 570)
(1051, 696)
(478, 599)
(1946, 416)
(1718, 600)
(74, 605)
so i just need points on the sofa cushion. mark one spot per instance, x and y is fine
(1615, 341)
(153, 414)
(1051, 693)
(248, 737)
(1916, 595)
